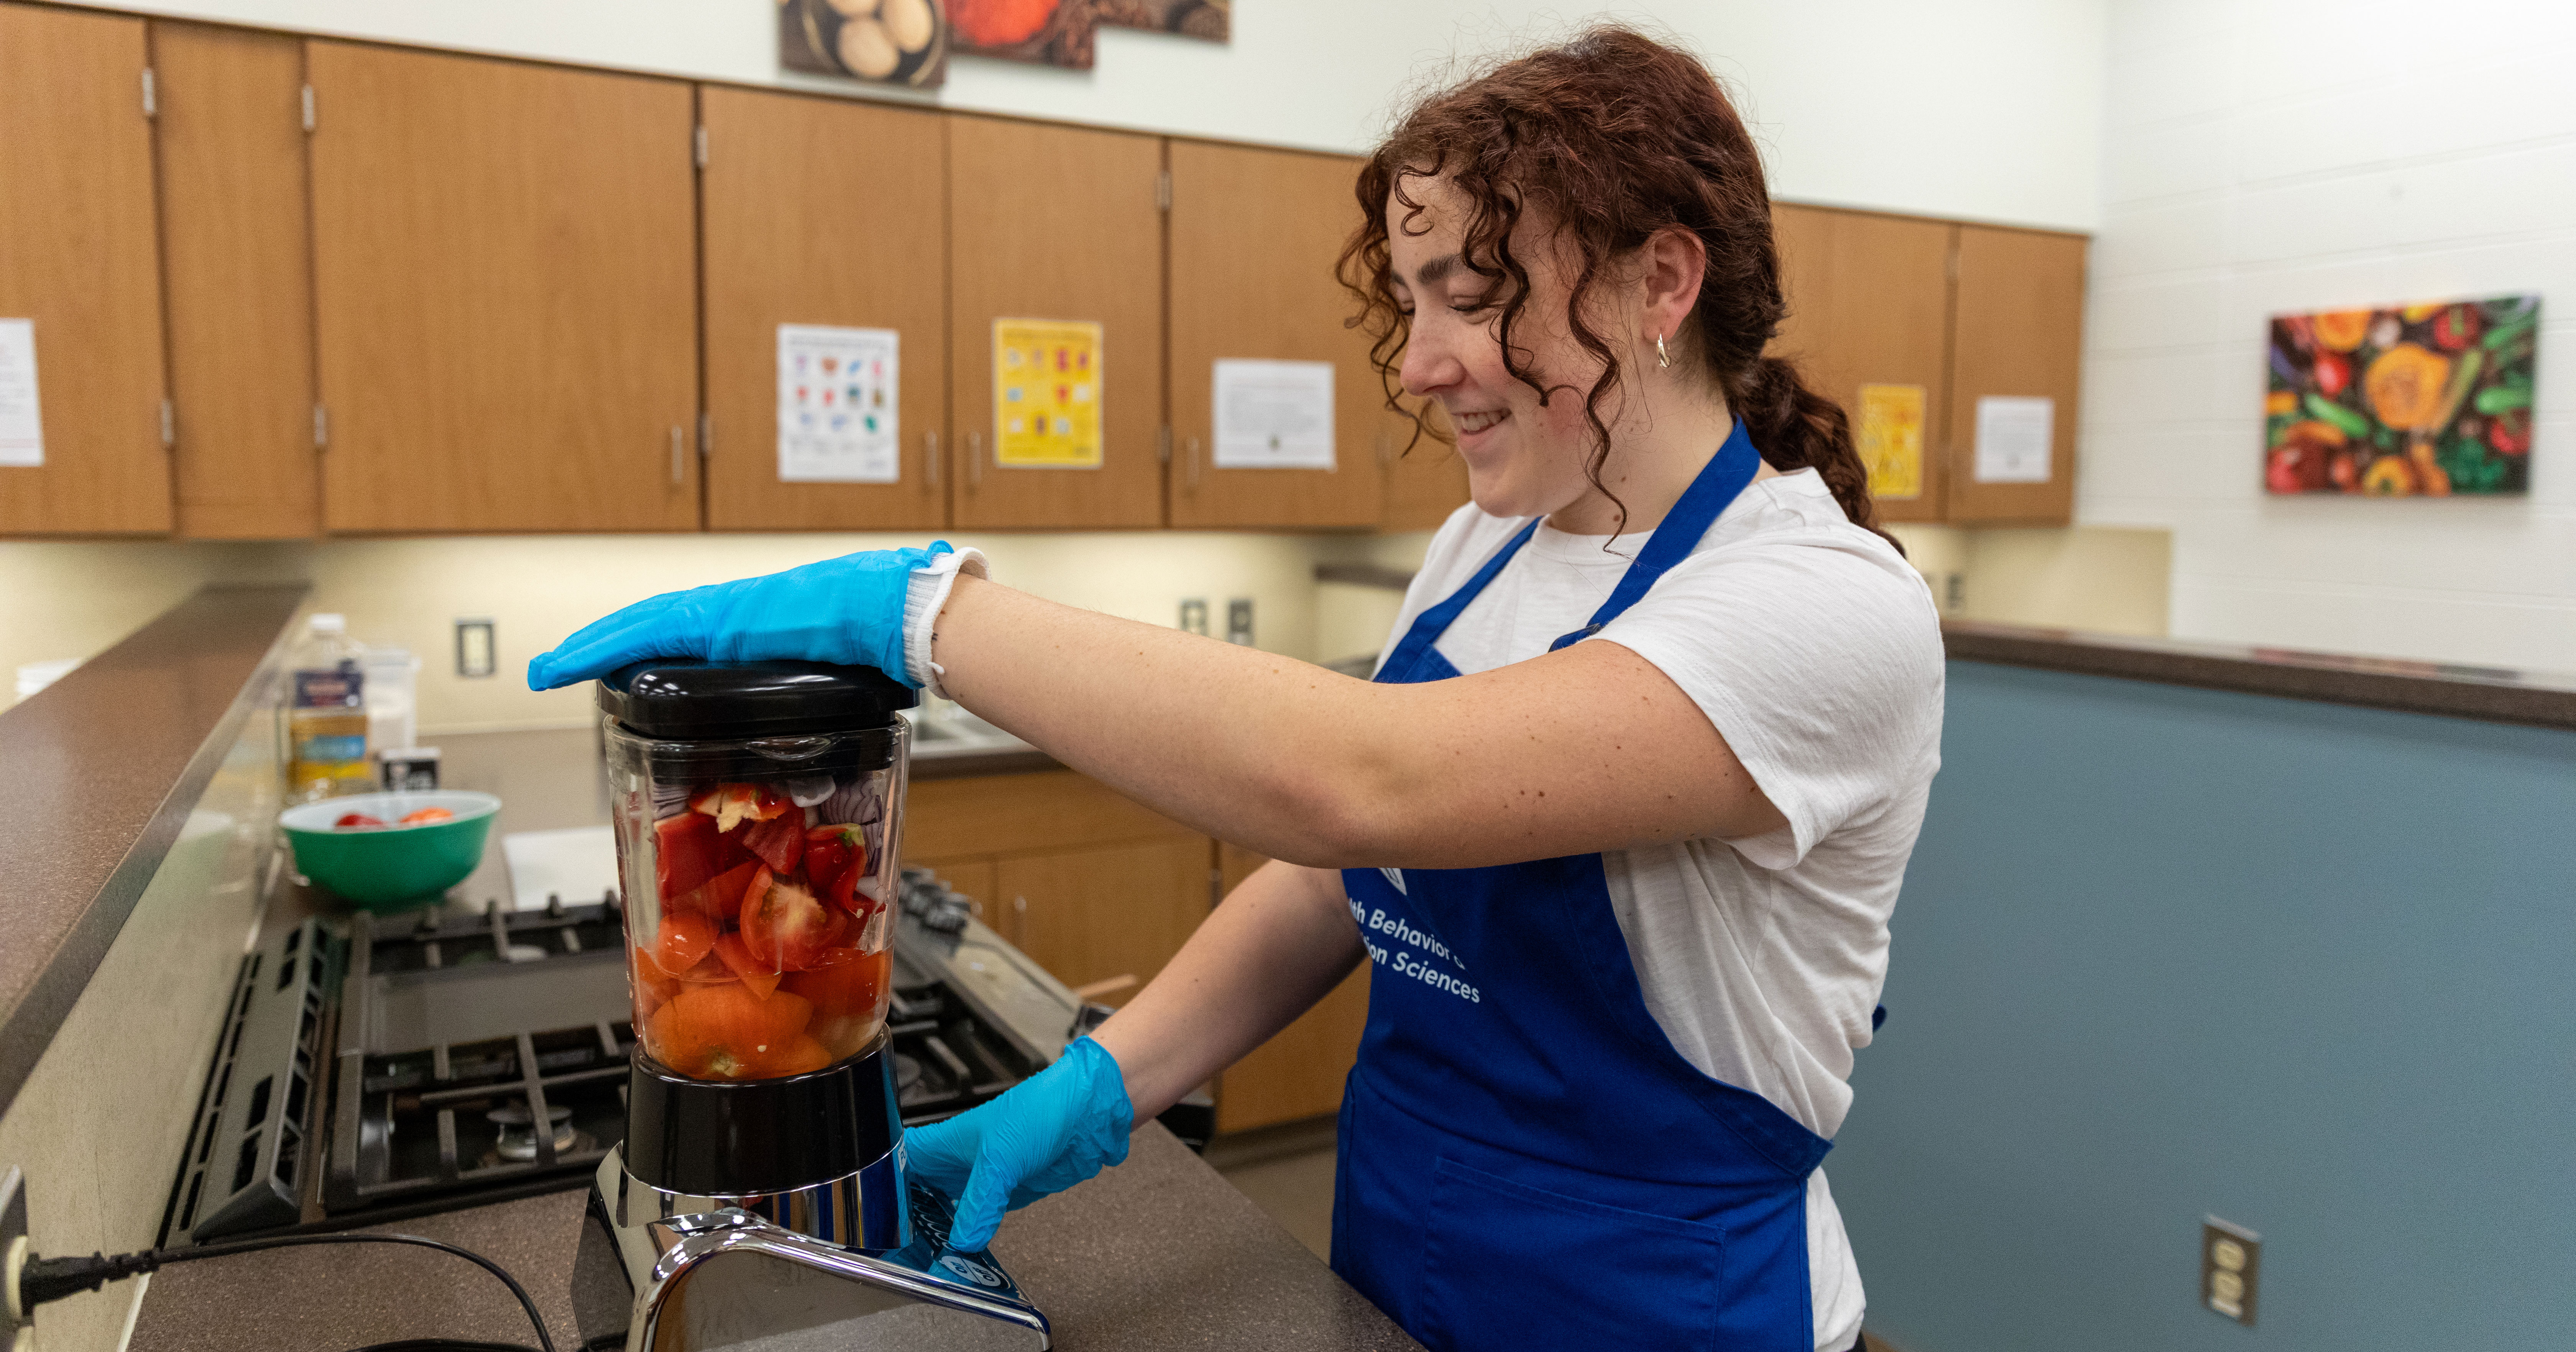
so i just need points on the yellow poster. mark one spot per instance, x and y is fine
(1891, 439)
(1046, 394)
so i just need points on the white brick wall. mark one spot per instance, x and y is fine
(2263, 156)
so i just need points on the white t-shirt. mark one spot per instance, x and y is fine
(1815, 650)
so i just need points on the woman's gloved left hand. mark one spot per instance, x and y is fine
(848, 610)
(1042, 1136)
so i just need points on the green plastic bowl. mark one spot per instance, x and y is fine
(397, 867)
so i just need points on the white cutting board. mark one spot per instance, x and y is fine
(577, 864)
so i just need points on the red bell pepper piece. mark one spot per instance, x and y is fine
(779, 841)
(836, 857)
(686, 852)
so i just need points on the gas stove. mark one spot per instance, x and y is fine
(382, 1067)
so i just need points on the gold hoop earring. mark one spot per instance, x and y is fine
(1662, 358)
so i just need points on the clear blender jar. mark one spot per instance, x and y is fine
(757, 806)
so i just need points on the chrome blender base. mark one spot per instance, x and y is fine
(663, 1272)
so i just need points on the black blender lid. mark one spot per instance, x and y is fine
(684, 697)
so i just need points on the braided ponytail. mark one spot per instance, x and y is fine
(1796, 428)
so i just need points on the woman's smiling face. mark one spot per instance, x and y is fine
(1523, 459)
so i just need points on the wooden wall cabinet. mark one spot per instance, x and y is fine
(1299, 1072)
(1869, 304)
(1965, 312)
(79, 258)
(1255, 235)
(821, 211)
(2018, 331)
(236, 252)
(1062, 223)
(505, 278)
(1090, 884)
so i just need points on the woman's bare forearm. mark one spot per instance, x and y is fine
(1575, 752)
(1279, 943)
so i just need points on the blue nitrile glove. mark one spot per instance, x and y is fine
(847, 610)
(1043, 1135)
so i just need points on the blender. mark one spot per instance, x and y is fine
(760, 1188)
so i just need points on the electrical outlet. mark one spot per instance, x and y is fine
(13, 1243)
(2231, 1257)
(1238, 621)
(474, 656)
(1194, 616)
(1958, 590)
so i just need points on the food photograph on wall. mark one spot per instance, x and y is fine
(2429, 399)
(897, 42)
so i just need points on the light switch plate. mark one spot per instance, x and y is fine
(2231, 1258)
(474, 652)
(1194, 616)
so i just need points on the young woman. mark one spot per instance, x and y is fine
(1620, 821)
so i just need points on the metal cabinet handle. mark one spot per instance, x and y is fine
(677, 473)
(930, 457)
(974, 461)
(1193, 447)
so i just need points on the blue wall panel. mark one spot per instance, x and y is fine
(2167, 952)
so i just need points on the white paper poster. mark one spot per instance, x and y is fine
(837, 405)
(22, 427)
(1274, 415)
(2013, 439)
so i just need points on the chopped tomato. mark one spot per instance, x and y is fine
(733, 804)
(802, 1055)
(427, 815)
(719, 898)
(687, 851)
(653, 986)
(356, 821)
(836, 857)
(737, 958)
(727, 1032)
(785, 926)
(843, 981)
(685, 938)
(779, 841)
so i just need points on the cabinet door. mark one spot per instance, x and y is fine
(1121, 910)
(1057, 223)
(1869, 301)
(1299, 1072)
(1425, 483)
(505, 276)
(78, 258)
(236, 244)
(2019, 332)
(1254, 237)
(821, 211)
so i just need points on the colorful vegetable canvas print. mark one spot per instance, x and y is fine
(2407, 400)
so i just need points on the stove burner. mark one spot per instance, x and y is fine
(907, 1074)
(518, 1131)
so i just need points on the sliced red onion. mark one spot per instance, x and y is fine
(809, 790)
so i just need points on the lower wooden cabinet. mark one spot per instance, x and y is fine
(1085, 881)
(1094, 886)
(1297, 1074)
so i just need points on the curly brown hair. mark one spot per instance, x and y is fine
(1611, 137)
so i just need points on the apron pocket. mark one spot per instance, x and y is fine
(1508, 1265)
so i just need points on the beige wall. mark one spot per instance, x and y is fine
(2105, 579)
(73, 599)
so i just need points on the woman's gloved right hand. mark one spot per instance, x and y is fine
(849, 610)
(1042, 1136)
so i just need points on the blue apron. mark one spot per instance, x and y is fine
(1525, 1161)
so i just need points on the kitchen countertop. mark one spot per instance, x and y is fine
(1159, 1253)
(132, 736)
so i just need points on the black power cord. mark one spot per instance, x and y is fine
(49, 1279)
